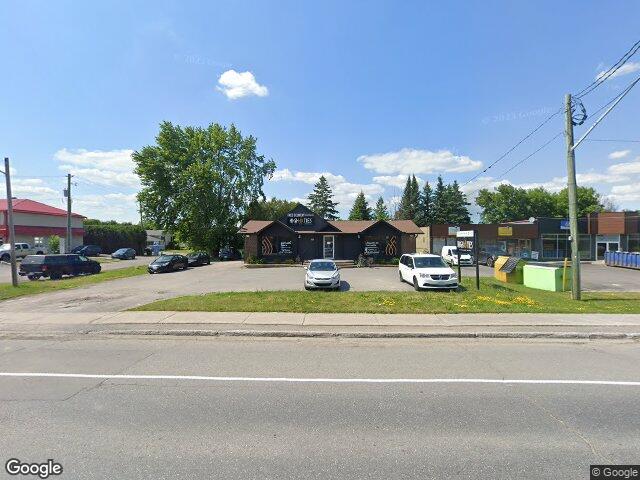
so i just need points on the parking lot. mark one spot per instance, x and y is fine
(233, 276)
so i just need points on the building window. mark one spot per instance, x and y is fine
(633, 244)
(558, 246)
(38, 241)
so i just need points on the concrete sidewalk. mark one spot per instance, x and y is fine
(524, 325)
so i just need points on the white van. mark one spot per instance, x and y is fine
(450, 255)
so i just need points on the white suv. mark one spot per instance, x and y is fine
(424, 270)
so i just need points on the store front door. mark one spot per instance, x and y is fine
(328, 246)
(603, 247)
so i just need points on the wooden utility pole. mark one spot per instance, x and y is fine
(573, 202)
(69, 237)
(12, 233)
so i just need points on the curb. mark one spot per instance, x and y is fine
(318, 334)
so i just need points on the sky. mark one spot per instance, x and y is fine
(364, 92)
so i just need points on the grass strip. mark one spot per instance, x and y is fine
(493, 297)
(40, 286)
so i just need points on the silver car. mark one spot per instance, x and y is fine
(322, 274)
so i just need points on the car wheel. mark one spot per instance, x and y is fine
(415, 284)
(490, 262)
(55, 276)
(5, 258)
(33, 278)
(39, 252)
(400, 275)
(306, 288)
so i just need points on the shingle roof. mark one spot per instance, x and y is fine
(24, 205)
(255, 226)
(405, 226)
(351, 226)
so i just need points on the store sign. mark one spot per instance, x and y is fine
(564, 225)
(296, 219)
(505, 231)
(534, 255)
(286, 247)
(371, 248)
(465, 241)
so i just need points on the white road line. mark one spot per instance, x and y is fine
(319, 380)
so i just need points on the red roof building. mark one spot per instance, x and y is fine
(35, 222)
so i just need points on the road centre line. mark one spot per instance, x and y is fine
(321, 380)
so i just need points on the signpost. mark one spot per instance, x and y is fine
(467, 240)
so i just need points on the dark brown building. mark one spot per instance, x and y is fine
(302, 235)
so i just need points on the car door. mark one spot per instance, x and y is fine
(404, 266)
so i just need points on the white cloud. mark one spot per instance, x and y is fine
(408, 161)
(240, 84)
(628, 168)
(618, 154)
(109, 168)
(109, 206)
(344, 192)
(626, 69)
(398, 181)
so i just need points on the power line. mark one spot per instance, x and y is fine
(610, 140)
(514, 147)
(604, 76)
(548, 142)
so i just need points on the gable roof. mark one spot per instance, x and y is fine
(255, 226)
(24, 205)
(405, 226)
(351, 226)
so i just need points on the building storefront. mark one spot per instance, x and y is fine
(547, 238)
(302, 235)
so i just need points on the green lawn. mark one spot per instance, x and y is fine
(29, 288)
(493, 297)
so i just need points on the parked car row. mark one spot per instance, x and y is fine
(172, 262)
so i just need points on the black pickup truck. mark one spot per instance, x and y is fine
(55, 266)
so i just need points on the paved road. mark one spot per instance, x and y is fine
(149, 428)
(232, 276)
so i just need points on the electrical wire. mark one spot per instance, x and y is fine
(514, 147)
(604, 76)
(610, 140)
(548, 142)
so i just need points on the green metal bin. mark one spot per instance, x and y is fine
(546, 277)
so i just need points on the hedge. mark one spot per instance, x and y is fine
(111, 237)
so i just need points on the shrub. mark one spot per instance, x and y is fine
(111, 236)
(54, 244)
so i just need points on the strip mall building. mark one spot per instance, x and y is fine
(546, 238)
(302, 235)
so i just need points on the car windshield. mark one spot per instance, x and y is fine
(163, 259)
(429, 262)
(322, 266)
(121, 250)
(193, 254)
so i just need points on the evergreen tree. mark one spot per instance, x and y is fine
(360, 209)
(380, 212)
(410, 200)
(425, 210)
(321, 200)
(458, 211)
(440, 207)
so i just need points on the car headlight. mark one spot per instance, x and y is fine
(454, 276)
(335, 275)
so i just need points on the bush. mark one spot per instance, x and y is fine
(111, 236)
(254, 260)
(54, 244)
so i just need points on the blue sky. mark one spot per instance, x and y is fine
(364, 91)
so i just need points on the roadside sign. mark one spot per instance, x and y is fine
(467, 242)
(564, 224)
(465, 234)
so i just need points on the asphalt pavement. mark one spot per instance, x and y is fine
(239, 408)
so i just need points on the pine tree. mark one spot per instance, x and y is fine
(440, 207)
(458, 205)
(380, 212)
(360, 209)
(425, 209)
(410, 200)
(321, 200)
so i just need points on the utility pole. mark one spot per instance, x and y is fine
(573, 202)
(12, 233)
(68, 195)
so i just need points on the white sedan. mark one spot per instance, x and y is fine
(427, 271)
(322, 274)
